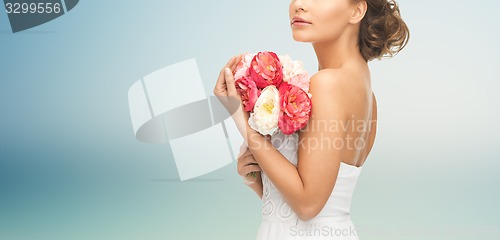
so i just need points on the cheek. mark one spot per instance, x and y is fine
(331, 21)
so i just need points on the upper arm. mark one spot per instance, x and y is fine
(321, 141)
(373, 124)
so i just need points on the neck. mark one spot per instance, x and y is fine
(335, 53)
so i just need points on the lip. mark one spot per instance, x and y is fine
(298, 21)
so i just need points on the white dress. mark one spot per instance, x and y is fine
(279, 221)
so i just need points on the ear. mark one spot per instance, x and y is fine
(359, 11)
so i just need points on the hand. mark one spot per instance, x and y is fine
(225, 88)
(225, 91)
(247, 165)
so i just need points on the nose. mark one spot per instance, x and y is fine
(298, 5)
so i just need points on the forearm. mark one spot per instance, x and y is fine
(282, 173)
(239, 119)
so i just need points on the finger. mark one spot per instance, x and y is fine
(252, 161)
(220, 88)
(250, 169)
(252, 165)
(246, 160)
(229, 74)
(231, 61)
(231, 64)
(231, 87)
(243, 147)
(220, 85)
(246, 153)
(237, 61)
(249, 157)
(245, 169)
(249, 161)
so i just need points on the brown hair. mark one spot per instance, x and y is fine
(382, 31)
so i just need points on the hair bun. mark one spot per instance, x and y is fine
(383, 33)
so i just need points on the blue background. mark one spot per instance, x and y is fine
(71, 168)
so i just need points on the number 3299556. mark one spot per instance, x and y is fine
(32, 8)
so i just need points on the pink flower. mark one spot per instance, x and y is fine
(295, 107)
(266, 69)
(241, 69)
(294, 73)
(248, 91)
(302, 81)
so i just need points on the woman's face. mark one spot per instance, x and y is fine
(324, 19)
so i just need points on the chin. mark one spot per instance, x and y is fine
(301, 37)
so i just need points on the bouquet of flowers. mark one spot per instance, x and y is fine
(275, 90)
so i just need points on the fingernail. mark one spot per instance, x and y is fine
(228, 71)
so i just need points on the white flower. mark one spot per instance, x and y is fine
(264, 117)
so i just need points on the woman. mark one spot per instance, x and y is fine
(306, 182)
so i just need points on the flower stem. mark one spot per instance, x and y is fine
(252, 174)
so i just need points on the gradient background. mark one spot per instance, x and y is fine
(71, 168)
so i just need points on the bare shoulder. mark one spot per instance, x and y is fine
(334, 76)
(337, 80)
(341, 86)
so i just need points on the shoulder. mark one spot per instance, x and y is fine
(342, 77)
(339, 84)
(334, 88)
